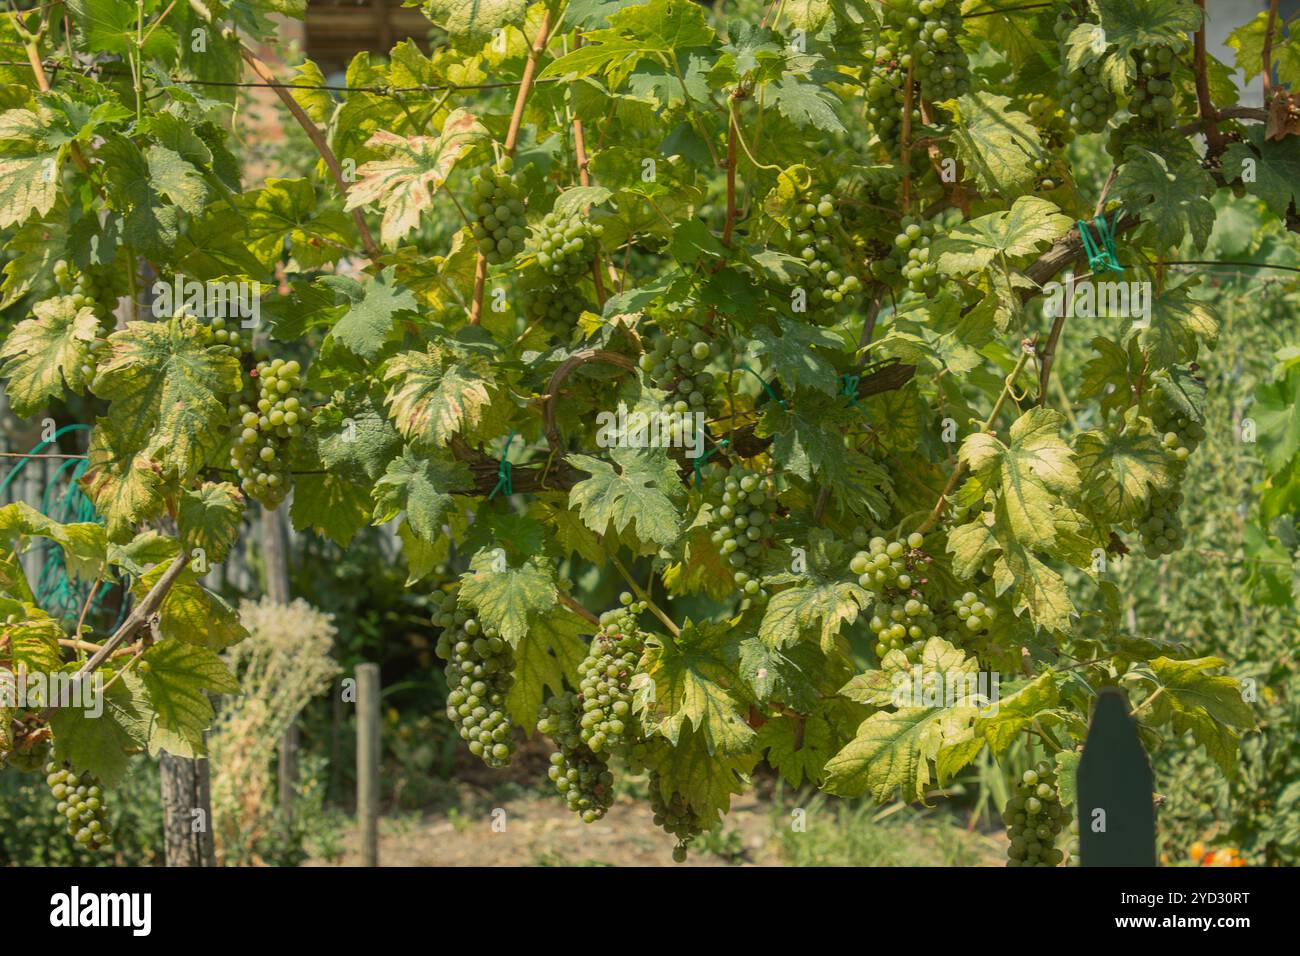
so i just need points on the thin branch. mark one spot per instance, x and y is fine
(565, 369)
(318, 140)
(139, 616)
(1268, 51)
(1205, 105)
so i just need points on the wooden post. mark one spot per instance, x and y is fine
(275, 556)
(1117, 816)
(368, 762)
(187, 812)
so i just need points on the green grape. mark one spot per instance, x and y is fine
(605, 676)
(500, 227)
(1034, 817)
(80, 802)
(1180, 433)
(893, 572)
(675, 816)
(975, 614)
(265, 419)
(742, 522)
(678, 365)
(817, 237)
(1154, 99)
(886, 96)
(581, 775)
(1084, 95)
(480, 673)
(555, 309)
(929, 30)
(910, 257)
(564, 246)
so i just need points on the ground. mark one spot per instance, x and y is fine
(528, 829)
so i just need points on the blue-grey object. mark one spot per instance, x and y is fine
(1117, 816)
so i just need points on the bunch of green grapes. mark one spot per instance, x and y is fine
(479, 672)
(98, 289)
(605, 676)
(1033, 817)
(910, 257)
(677, 365)
(812, 237)
(1154, 93)
(886, 96)
(1084, 93)
(220, 335)
(555, 309)
(929, 29)
(580, 775)
(500, 226)
(675, 816)
(742, 521)
(565, 245)
(1160, 526)
(80, 802)
(1054, 126)
(266, 422)
(902, 619)
(976, 616)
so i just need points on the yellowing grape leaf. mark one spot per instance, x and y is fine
(1209, 705)
(437, 393)
(1021, 230)
(404, 185)
(1031, 472)
(545, 658)
(996, 143)
(209, 518)
(43, 352)
(168, 392)
(178, 678)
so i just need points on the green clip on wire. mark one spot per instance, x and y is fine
(505, 483)
(851, 389)
(767, 388)
(699, 460)
(1103, 256)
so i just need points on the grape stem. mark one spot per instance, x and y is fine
(568, 601)
(643, 596)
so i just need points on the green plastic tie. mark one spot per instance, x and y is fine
(850, 389)
(1103, 256)
(767, 388)
(505, 483)
(699, 460)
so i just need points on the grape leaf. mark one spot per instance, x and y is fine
(545, 657)
(1178, 324)
(1268, 168)
(797, 747)
(473, 21)
(29, 166)
(805, 104)
(423, 487)
(372, 309)
(707, 780)
(286, 210)
(507, 598)
(687, 681)
(890, 753)
(820, 601)
(996, 144)
(100, 744)
(1019, 231)
(1032, 472)
(210, 518)
(1169, 194)
(1131, 26)
(43, 352)
(126, 489)
(190, 613)
(1119, 470)
(167, 391)
(404, 185)
(639, 493)
(792, 358)
(1277, 416)
(1209, 705)
(178, 677)
(437, 392)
